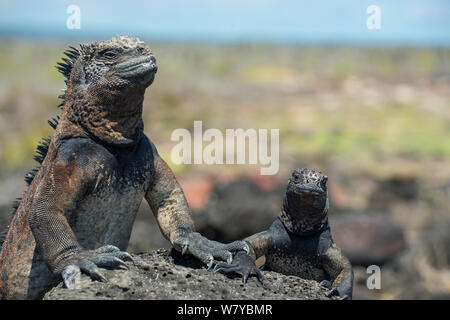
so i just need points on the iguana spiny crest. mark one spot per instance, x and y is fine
(102, 74)
(91, 69)
(78, 211)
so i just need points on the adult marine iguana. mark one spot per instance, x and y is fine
(299, 242)
(81, 201)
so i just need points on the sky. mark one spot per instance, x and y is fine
(403, 22)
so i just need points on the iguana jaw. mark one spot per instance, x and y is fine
(114, 118)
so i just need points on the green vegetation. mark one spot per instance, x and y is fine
(347, 104)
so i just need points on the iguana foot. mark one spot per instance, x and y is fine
(89, 261)
(325, 283)
(242, 264)
(336, 292)
(207, 250)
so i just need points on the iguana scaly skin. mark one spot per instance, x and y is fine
(299, 242)
(78, 210)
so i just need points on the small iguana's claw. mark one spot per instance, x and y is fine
(325, 283)
(335, 291)
(242, 264)
(207, 250)
(89, 261)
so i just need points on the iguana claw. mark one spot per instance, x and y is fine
(71, 277)
(111, 257)
(210, 262)
(207, 250)
(333, 292)
(89, 261)
(325, 283)
(336, 292)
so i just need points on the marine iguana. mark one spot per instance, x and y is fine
(81, 201)
(299, 242)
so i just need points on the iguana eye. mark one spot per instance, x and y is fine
(108, 54)
(323, 183)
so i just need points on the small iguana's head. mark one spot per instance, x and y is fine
(305, 205)
(106, 82)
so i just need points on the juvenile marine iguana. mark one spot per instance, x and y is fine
(78, 210)
(299, 242)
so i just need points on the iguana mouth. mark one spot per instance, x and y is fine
(307, 190)
(137, 67)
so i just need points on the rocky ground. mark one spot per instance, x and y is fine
(165, 274)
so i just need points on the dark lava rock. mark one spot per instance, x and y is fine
(367, 239)
(436, 243)
(165, 274)
(403, 188)
(238, 209)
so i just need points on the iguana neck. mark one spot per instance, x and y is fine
(113, 119)
(303, 214)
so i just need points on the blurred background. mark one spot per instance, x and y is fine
(369, 107)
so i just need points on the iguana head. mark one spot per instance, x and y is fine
(305, 205)
(106, 82)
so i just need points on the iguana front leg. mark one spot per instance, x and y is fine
(340, 271)
(59, 185)
(170, 207)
